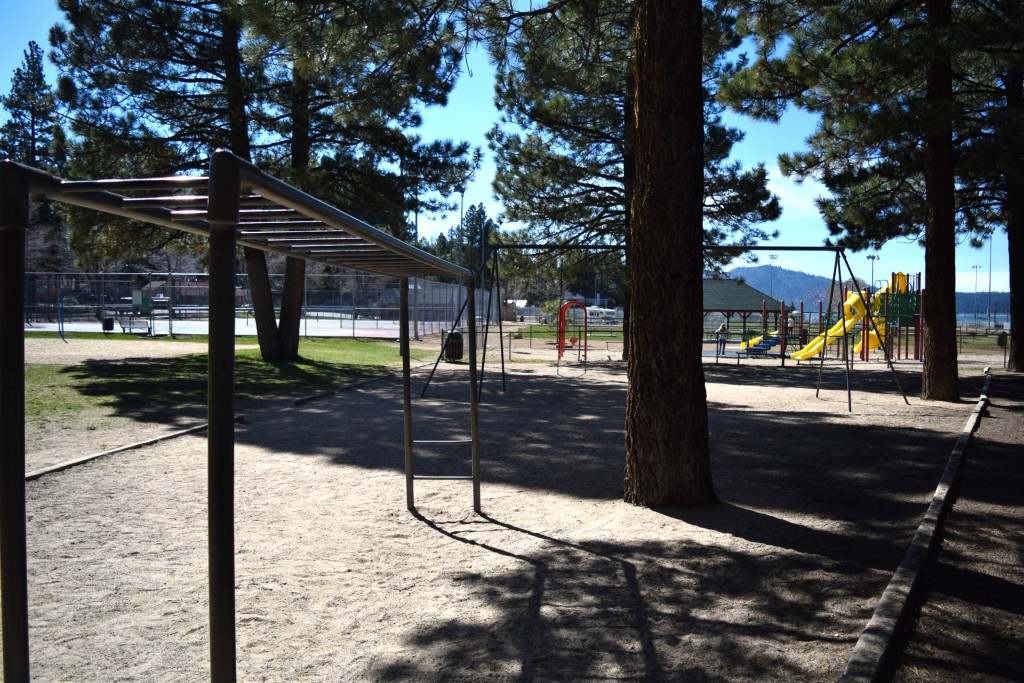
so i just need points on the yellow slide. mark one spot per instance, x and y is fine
(874, 341)
(853, 311)
(756, 340)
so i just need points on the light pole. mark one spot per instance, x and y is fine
(990, 314)
(462, 215)
(872, 258)
(976, 269)
(771, 275)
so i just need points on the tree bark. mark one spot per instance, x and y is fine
(238, 140)
(234, 81)
(1014, 84)
(278, 341)
(262, 304)
(288, 331)
(667, 447)
(628, 188)
(939, 379)
(291, 308)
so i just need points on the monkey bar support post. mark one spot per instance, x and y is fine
(474, 415)
(223, 218)
(403, 313)
(14, 212)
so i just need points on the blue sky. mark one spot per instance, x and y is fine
(470, 113)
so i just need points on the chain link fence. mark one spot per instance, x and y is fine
(337, 304)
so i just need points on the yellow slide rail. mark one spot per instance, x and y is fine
(853, 312)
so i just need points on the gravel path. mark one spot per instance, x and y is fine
(557, 581)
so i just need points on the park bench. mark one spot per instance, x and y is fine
(134, 325)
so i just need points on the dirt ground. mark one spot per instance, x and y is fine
(557, 580)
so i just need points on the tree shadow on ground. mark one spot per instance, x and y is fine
(567, 437)
(972, 598)
(584, 611)
(823, 510)
(145, 389)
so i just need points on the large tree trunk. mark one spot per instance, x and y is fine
(667, 450)
(939, 380)
(628, 188)
(262, 304)
(1015, 219)
(238, 140)
(295, 269)
(291, 307)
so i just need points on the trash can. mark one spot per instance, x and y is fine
(453, 346)
(108, 324)
(1001, 339)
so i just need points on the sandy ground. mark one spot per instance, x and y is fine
(967, 625)
(558, 580)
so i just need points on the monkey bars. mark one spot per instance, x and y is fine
(236, 205)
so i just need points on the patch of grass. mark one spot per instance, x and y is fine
(51, 395)
(605, 333)
(147, 389)
(131, 338)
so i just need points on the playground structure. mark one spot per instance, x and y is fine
(891, 314)
(236, 205)
(854, 310)
(562, 329)
(901, 304)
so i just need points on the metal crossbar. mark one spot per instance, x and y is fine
(239, 204)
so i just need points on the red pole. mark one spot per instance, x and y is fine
(917, 324)
(846, 332)
(586, 335)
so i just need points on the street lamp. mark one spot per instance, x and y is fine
(462, 216)
(873, 258)
(771, 275)
(989, 317)
(976, 269)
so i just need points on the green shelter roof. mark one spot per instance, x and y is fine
(735, 296)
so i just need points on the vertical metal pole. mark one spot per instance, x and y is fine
(170, 304)
(223, 218)
(403, 304)
(501, 342)
(783, 332)
(14, 212)
(416, 307)
(474, 421)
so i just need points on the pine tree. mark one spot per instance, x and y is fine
(667, 448)
(32, 135)
(28, 134)
(565, 145)
(320, 96)
(667, 445)
(908, 111)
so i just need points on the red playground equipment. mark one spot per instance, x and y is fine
(561, 328)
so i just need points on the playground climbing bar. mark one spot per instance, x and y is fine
(237, 205)
(223, 219)
(14, 213)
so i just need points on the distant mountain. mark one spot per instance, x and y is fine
(792, 287)
(789, 286)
